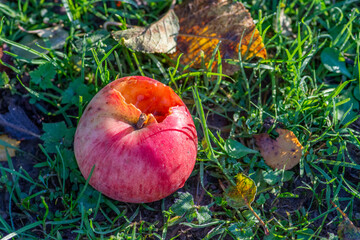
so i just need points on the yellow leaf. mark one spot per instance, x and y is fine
(11, 151)
(243, 193)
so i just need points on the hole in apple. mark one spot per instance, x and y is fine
(149, 96)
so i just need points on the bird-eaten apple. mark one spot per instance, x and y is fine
(139, 138)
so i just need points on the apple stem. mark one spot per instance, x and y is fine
(142, 120)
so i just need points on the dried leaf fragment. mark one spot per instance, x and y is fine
(283, 152)
(158, 37)
(204, 24)
(7, 142)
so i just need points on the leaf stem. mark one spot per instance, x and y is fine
(341, 212)
(266, 230)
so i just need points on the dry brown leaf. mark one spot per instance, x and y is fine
(158, 37)
(11, 151)
(283, 152)
(203, 24)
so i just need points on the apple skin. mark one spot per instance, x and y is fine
(136, 165)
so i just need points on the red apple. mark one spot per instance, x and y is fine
(141, 139)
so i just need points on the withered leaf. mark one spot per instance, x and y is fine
(346, 229)
(10, 144)
(203, 24)
(283, 152)
(51, 37)
(243, 193)
(158, 37)
(17, 124)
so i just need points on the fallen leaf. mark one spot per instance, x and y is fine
(243, 193)
(283, 152)
(346, 229)
(17, 124)
(158, 37)
(52, 37)
(204, 24)
(7, 142)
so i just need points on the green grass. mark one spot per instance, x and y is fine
(310, 84)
